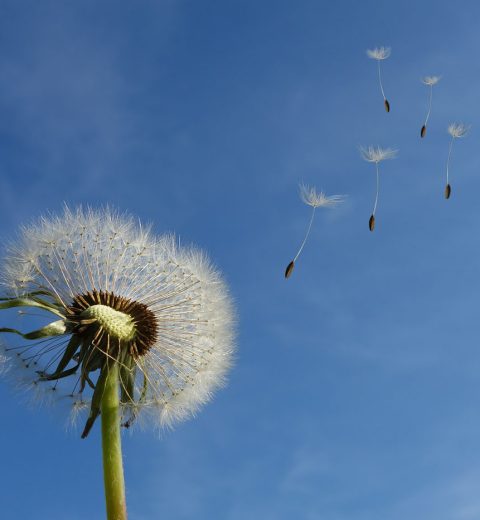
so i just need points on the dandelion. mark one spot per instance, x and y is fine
(429, 81)
(311, 197)
(456, 130)
(380, 54)
(376, 155)
(143, 327)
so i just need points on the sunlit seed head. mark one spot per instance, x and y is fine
(431, 80)
(379, 53)
(458, 129)
(162, 312)
(311, 197)
(377, 154)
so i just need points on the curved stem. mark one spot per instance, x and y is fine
(378, 187)
(380, 79)
(112, 448)
(306, 236)
(449, 154)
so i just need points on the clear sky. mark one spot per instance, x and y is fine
(356, 391)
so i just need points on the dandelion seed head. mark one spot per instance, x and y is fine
(311, 197)
(379, 53)
(162, 311)
(458, 129)
(431, 80)
(377, 154)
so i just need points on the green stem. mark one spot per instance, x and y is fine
(112, 448)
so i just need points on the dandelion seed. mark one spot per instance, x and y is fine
(429, 81)
(311, 197)
(379, 54)
(376, 155)
(141, 325)
(456, 130)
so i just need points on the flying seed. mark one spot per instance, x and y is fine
(289, 269)
(456, 130)
(429, 81)
(379, 54)
(315, 199)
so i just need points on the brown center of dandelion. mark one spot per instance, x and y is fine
(113, 323)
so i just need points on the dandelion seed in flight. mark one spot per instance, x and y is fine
(430, 81)
(376, 155)
(312, 198)
(379, 54)
(456, 130)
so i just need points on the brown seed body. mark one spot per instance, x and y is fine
(448, 191)
(371, 223)
(289, 269)
(423, 131)
(387, 105)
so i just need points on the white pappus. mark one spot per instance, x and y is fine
(119, 295)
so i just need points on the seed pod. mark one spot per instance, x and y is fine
(423, 131)
(387, 105)
(448, 190)
(289, 269)
(371, 223)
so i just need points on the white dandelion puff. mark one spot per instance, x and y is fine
(376, 155)
(311, 197)
(120, 296)
(456, 130)
(429, 81)
(379, 54)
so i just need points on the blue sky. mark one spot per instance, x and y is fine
(356, 392)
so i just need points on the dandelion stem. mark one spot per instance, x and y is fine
(112, 448)
(429, 105)
(449, 154)
(380, 79)
(306, 235)
(378, 187)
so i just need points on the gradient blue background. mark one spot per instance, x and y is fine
(356, 393)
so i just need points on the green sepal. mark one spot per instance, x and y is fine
(8, 303)
(143, 394)
(127, 380)
(96, 403)
(141, 399)
(60, 371)
(56, 328)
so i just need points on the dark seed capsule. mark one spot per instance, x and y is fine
(423, 131)
(289, 269)
(448, 190)
(387, 105)
(371, 223)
